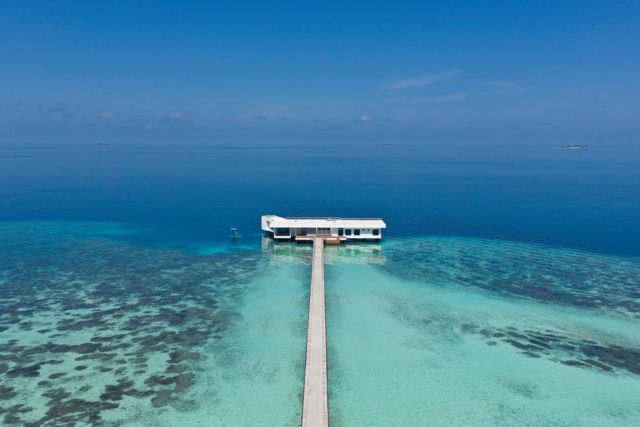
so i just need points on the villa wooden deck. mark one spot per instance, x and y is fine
(328, 238)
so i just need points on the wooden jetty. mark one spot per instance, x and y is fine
(315, 405)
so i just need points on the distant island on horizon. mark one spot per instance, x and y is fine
(575, 146)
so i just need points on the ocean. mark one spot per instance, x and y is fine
(506, 290)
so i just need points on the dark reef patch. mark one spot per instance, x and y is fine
(115, 391)
(24, 371)
(570, 351)
(7, 392)
(162, 398)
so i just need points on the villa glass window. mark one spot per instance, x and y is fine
(347, 232)
(282, 231)
(356, 232)
(376, 232)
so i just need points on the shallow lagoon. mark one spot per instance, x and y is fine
(94, 329)
(415, 349)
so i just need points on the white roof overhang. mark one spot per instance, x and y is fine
(327, 223)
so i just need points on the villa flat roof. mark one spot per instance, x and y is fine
(280, 222)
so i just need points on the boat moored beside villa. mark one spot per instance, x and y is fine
(336, 229)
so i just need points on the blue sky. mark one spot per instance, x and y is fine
(245, 71)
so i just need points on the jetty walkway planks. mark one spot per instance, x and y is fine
(315, 407)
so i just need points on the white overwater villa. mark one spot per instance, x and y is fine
(334, 230)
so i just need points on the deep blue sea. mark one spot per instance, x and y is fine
(584, 199)
(506, 290)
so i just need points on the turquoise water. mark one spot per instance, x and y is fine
(506, 291)
(98, 330)
(427, 350)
